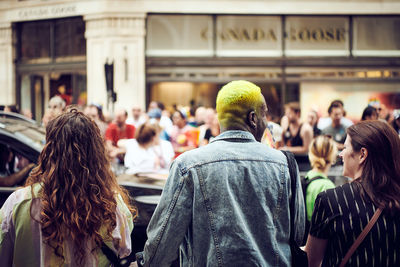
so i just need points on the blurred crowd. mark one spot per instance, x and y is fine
(147, 141)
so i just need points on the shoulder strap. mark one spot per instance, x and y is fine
(309, 180)
(293, 175)
(306, 182)
(114, 259)
(110, 254)
(361, 237)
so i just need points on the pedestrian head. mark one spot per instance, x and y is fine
(136, 112)
(241, 106)
(292, 111)
(79, 192)
(56, 105)
(372, 153)
(312, 117)
(369, 113)
(120, 117)
(179, 119)
(146, 133)
(336, 112)
(322, 152)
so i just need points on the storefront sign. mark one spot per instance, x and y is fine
(176, 35)
(376, 36)
(261, 36)
(317, 36)
(47, 12)
(328, 35)
(258, 36)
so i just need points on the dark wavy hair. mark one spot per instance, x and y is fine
(78, 188)
(380, 178)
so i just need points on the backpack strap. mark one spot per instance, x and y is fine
(309, 180)
(293, 175)
(306, 182)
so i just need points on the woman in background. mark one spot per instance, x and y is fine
(148, 153)
(70, 205)
(369, 113)
(322, 154)
(371, 156)
(180, 136)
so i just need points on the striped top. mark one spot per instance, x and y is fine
(340, 215)
(21, 236)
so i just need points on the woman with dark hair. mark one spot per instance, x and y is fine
(70, 204)
(369, 113)
(371, 157)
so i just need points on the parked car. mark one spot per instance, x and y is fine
(25, 138)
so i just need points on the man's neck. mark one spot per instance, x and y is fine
(237, 127)
(121, 126)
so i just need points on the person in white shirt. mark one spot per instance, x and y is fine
(148, 153)
(138, 118)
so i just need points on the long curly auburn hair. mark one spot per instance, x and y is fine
(78, 188)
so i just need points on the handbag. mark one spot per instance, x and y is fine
(361, 237)
(299, 256)
(114, 259)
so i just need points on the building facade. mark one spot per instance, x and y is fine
(182, 51)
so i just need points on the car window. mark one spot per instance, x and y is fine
(29, 133)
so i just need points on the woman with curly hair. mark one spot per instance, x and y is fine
(70, 204)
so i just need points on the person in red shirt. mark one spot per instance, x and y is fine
(116, 131)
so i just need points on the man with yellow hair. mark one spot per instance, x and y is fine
(227, 203)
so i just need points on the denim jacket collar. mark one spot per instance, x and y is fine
(235, 134)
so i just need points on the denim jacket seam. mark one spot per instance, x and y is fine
(211, 220)
(186, 169)
(279, 205)
(168, 215)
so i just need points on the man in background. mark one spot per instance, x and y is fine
(138, 118)
(297, 135)
(337, 129)
(116, 131)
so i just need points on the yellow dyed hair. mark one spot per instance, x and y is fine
(235, 100)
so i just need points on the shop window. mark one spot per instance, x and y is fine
(34, 40)
(69, 37)
(51, 39)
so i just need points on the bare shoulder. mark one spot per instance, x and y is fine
(306, 128)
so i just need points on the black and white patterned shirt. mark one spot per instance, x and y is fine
(340, 215)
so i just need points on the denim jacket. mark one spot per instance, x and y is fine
(226, 204)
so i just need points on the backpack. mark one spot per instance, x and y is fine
(306, 182)
(304, 185)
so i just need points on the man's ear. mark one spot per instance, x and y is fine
(363, 155)
(252, 119)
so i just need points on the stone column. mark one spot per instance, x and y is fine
(7, 84)
(117, 38)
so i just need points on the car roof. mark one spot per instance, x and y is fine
(24, 137)
(16, 116)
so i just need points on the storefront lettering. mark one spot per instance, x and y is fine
(254, 35)
(318, 35)
(46, 12)
(337, 35)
